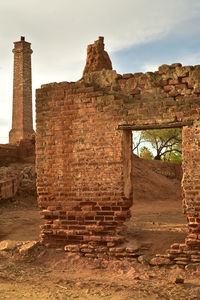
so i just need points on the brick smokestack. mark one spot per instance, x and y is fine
(22, 120)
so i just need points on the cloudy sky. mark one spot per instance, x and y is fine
(139, 36)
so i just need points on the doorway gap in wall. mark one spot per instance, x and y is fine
(157, 220)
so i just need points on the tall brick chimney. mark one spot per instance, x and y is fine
(22, 120)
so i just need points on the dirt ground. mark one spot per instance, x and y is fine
(51, 275)
(156, 223)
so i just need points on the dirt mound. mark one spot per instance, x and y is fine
(156, 223)
(156, 181)
(156, 219)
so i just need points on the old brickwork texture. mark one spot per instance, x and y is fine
(10, 153)
(84, 153)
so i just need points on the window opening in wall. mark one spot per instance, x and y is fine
(157, 220)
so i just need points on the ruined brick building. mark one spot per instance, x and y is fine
(21, 137)
(84, 152)
(84, 148)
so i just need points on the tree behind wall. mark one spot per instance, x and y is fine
(166, 142)
(146, 153)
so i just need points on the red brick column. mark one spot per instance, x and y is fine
(22, 122)
(83, 167)
(191, 183)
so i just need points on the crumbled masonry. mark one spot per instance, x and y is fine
(97, 58)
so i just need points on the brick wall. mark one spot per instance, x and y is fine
(191, 182)
(8, 154)
(12, 154)
(83, 148)
(18, 152)
(26, 148)
(80, 177)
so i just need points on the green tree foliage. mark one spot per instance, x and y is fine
(166, 142)
(145, 153)
(173, 156)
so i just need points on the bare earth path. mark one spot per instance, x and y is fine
(47, 274)
(75, 278)
(52, 275)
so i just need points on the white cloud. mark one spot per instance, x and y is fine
(149, 68)
(61, 30)
(191, 59)
(186, 60)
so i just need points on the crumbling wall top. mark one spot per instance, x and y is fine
(97, 58)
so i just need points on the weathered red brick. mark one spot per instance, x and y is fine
(181, 86)
(168, 88)
(97, 57)
(173, 81)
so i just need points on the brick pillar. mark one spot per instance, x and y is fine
(191, 183)
(22, 121)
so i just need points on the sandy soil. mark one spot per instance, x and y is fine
(157, 222)
(58, 276)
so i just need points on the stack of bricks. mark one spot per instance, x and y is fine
(9, 187)
(84, 162)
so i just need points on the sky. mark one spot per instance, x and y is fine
(139, 36)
